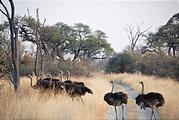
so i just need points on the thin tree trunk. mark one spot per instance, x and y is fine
(36, 61)
(14, 55)
(39, 40)
(16, 69)
(41, 58)
(14, 44)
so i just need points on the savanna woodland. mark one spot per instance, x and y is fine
(63, 71)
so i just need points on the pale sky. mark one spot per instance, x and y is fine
(108, 16)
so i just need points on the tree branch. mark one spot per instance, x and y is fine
(3, 13)
(7, 13)
(10, 78)
(12, 9)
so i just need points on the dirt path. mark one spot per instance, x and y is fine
(132, 111)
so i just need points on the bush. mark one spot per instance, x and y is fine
(149, 64)
(123, 62)
(79, 68)
(160, 65)
(26, 66)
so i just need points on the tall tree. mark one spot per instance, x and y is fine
(81, 33)
(14, 43)
(166, 38)
(30, 30)
(53, 41)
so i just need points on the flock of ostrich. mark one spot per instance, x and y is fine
(76, 89)
(73, 89)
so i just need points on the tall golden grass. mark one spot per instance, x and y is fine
(167, 87)
(32, 104)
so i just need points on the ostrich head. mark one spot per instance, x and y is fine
(31, 81)
(125, 98)
(30, 76)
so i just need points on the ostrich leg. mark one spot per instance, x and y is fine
(115, 111)
(154, 116)
(81, 99)
(122, 112)
(151, 114)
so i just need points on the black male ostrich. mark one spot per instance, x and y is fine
(42, 84)
(47, 83)
(75, 82)
(116, 99)
(150, 100)
(79, 90)
(55, 84)
(76, 90)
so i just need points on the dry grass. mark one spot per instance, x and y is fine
(32, 104)
(167, 87)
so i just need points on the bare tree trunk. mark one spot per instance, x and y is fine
(36, 61)
(41, 58)
(39, 41)
(15, 60)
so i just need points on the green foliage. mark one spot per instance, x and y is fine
(162, 66)
(26, 65)
(123, 62)
(166, 38)
(150, 64)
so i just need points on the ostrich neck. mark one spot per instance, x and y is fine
(142, 88)
(61, 77)
(112, 87)
(68, 75)
(31, 83)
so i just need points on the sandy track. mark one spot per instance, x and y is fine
(131, 110)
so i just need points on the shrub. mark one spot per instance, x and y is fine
(160, 65)
(123, 62)
(26, 65)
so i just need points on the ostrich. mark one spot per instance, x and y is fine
(80, 90)
(116, 99)
(76, 90)
(47, 83)
(150, 100)
(54, 84)
(75, 82)
(39, 84)
(61, 75)
(68, 75)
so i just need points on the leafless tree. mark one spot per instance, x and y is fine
(134, 33)
(14, 42)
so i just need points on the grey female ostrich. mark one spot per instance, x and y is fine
(150, 100)
(116, 99)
